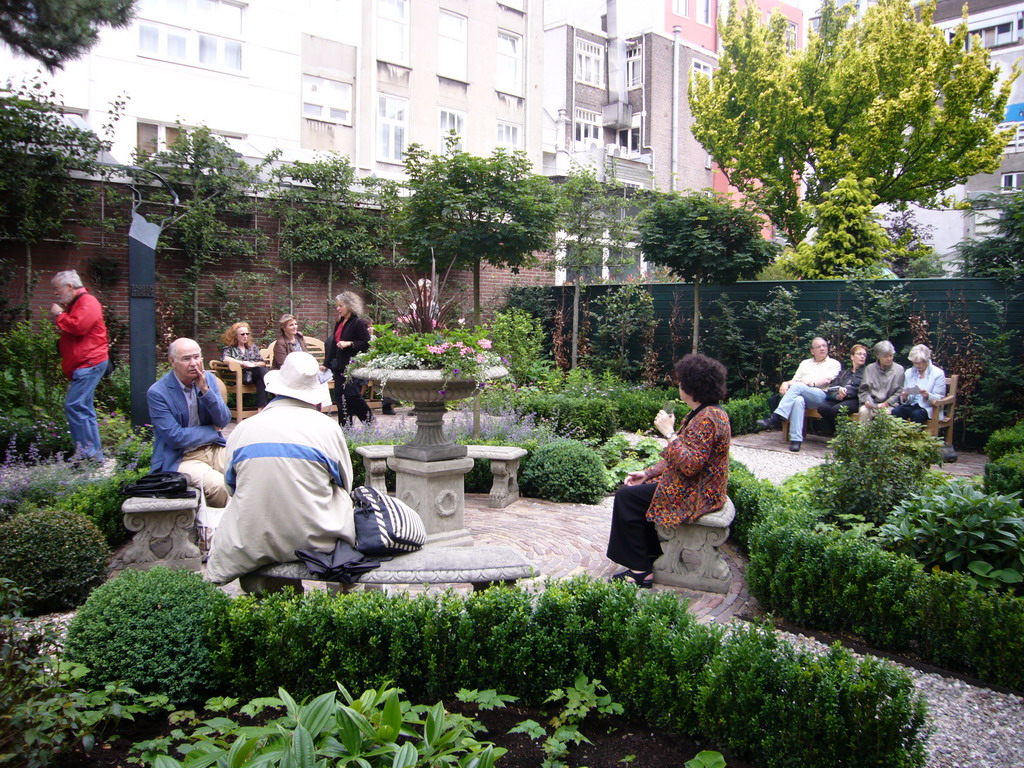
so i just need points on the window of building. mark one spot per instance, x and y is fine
(681, 8)
(154, 137)
(629, 140)
(1013, 181)
(589, 62)
(391, 128)
(704, 12)
(451, 49)
(508, 136)
(450, 120)
(587, 127)
(204, 32)
(634, 65)
(325, 99)
(393, 31)
(792, 36)
(703, 68)
(508, 73)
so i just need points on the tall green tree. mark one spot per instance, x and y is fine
(55, 31)
(217, 191)
(1001, 253)
(596, 221)
(466, 210)
(703, 239)
(328, 215)
(849, 238)
(39, 153)
(887, 97)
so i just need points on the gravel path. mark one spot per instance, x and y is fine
(972, 727)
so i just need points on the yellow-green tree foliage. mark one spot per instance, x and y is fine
(887, 97)
(849, 238)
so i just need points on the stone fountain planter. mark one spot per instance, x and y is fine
(430, 468)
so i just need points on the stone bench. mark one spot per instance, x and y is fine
(164, 533)
(504, 467)
(481, 566)
(690, 552)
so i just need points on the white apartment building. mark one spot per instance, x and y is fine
(364, 78)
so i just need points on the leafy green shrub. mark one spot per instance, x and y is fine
(959, 528)
(564, 471)
(803, 702)
(594, 418)
(1005, 474)
(637, 408)
(817, 576)
(751, 497)
(150, 629)
(621, 457)
(875, 466)
(652, 655)
(100, 500)
(40, 436)
(60, 556)
(744, 412)
(31, 381)
(36, 483)
(1005, 440)
(518, 335)
(375, 730)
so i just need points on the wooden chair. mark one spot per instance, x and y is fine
(944, 411)
(230, 373)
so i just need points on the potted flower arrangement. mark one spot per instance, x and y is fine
(423, 360)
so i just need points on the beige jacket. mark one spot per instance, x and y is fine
(290, 475)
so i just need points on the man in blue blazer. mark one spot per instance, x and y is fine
(188, 414)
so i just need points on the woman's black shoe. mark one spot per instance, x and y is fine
(643, 579)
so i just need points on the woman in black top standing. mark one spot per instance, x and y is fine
(350, 337)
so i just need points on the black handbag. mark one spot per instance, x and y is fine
(160, 485)
(385, 525)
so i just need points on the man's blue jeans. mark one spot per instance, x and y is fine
(81, 413)
(798, 398)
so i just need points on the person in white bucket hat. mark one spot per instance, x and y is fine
(289, 473)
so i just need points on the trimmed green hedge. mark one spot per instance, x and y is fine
(1005, 474)
(1005, 440)
(835, 581)
(743, 688)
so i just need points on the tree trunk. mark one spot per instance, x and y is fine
(28, 281)
(476, 292)
(195, 311)
(696, 313)
(330, 293)
(575, 323)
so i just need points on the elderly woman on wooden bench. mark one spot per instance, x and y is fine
(923, 383)
(882, 382)
(240, 346)
(842, 390)
(689, 481)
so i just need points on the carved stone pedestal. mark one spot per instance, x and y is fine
(435, 489)
(691, 557)
(164, 533)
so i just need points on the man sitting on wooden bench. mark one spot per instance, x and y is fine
(290, 475)
(805, 390)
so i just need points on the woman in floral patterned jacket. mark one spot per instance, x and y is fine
(690, 480)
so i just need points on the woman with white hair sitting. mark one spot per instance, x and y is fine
(883, 379)
(922, 384)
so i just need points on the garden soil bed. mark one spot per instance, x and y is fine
(616, 742)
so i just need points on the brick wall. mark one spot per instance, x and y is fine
(262, 288)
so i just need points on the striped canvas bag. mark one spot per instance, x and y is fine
(385, 525)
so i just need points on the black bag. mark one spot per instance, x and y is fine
(344, 564)
(385, 525)
(160, 485)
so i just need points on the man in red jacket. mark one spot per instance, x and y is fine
(84, 354)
